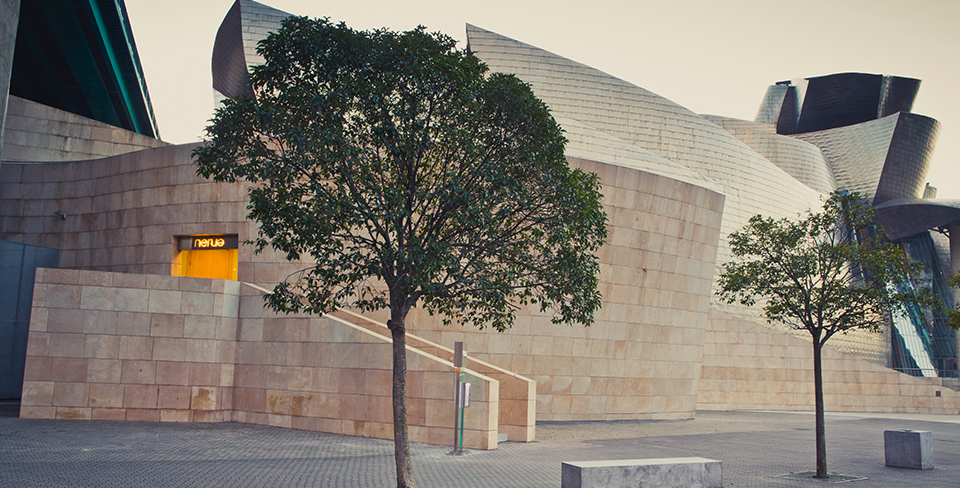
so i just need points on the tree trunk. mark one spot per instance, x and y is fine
(401, 439)
(818, 392)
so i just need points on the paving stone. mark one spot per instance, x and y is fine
(756, 448)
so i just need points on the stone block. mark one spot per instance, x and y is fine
(203, 398)
(166, 325)
(68, 369)
(143, 414)
(37, 393)
(908, 449)
(37, 368)
(108, 414)
(663, 472)
(172, 373)
(140, 397)
(202, 351)
(138, 372)
(106, 396)
(133, 323)
(169, 349)
(131, 300)
(136, 347)
(174, 398)
(70, 394)
(204, 374)
(104, 370)
(67, 345)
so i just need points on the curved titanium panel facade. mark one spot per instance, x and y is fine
(586, 142)
(838, 100)
(856, 153)
(653, 123)
(770, 107)
(897, 95)
(799, 159)
(909, 216)
(235, 49)
(229, 62)
(908, 158)
(884, 159)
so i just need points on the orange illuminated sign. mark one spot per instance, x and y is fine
(197, 243)
(209, 243)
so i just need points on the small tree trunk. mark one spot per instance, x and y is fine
(818, 392)
(401, 439)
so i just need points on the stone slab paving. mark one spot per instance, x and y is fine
(755, 448)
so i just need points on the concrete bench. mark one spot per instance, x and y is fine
(908, 449)
(689, 472)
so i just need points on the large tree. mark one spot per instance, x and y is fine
(827, 273)
(411, 177)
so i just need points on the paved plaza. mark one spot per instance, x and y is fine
(755, 447)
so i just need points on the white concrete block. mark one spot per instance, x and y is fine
(689, 472)
(908, 449)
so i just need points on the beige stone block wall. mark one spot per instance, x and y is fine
(37, 132)
(160, 348)
(326, 374)
(641, 358)
(747, 366)
(130, 347)
(123, 213)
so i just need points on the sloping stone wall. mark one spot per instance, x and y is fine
(747, 366)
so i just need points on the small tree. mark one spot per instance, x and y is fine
(827, 273)
(410, 177)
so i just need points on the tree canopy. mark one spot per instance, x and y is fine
(410, 176)
(828, 272)
(394, 156)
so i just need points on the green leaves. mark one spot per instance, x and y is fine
(828, 272)
(409, 175)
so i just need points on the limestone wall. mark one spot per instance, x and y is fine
(641, 358)
(37, 132)
(9, 20)
(130, 347)
(123, 213)
(159, 348)
(750, 367)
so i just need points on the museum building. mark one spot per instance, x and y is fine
(132, 296)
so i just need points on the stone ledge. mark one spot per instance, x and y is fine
(658, 472)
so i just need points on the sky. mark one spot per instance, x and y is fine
(713, 57)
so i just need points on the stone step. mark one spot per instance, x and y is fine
(501, 438)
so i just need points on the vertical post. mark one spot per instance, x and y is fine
(458, 363)
(463, 406)
(953, 233)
